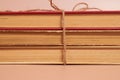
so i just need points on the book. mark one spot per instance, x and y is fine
(53, 19)
(54, 56)
(54, 37)
(38, 37)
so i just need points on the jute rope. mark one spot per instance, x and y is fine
(64, 51)
(64, 60)
(64, 38)
(84, 8)
(54, 6)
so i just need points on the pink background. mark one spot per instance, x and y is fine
(58, 72)
(63, 4)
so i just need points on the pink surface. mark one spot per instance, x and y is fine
(63, 4)
(58, 72)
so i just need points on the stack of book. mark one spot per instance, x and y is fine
(92, 37)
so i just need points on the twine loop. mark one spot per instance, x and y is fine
(86, 8)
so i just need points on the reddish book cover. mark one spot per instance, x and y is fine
(58, 12)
